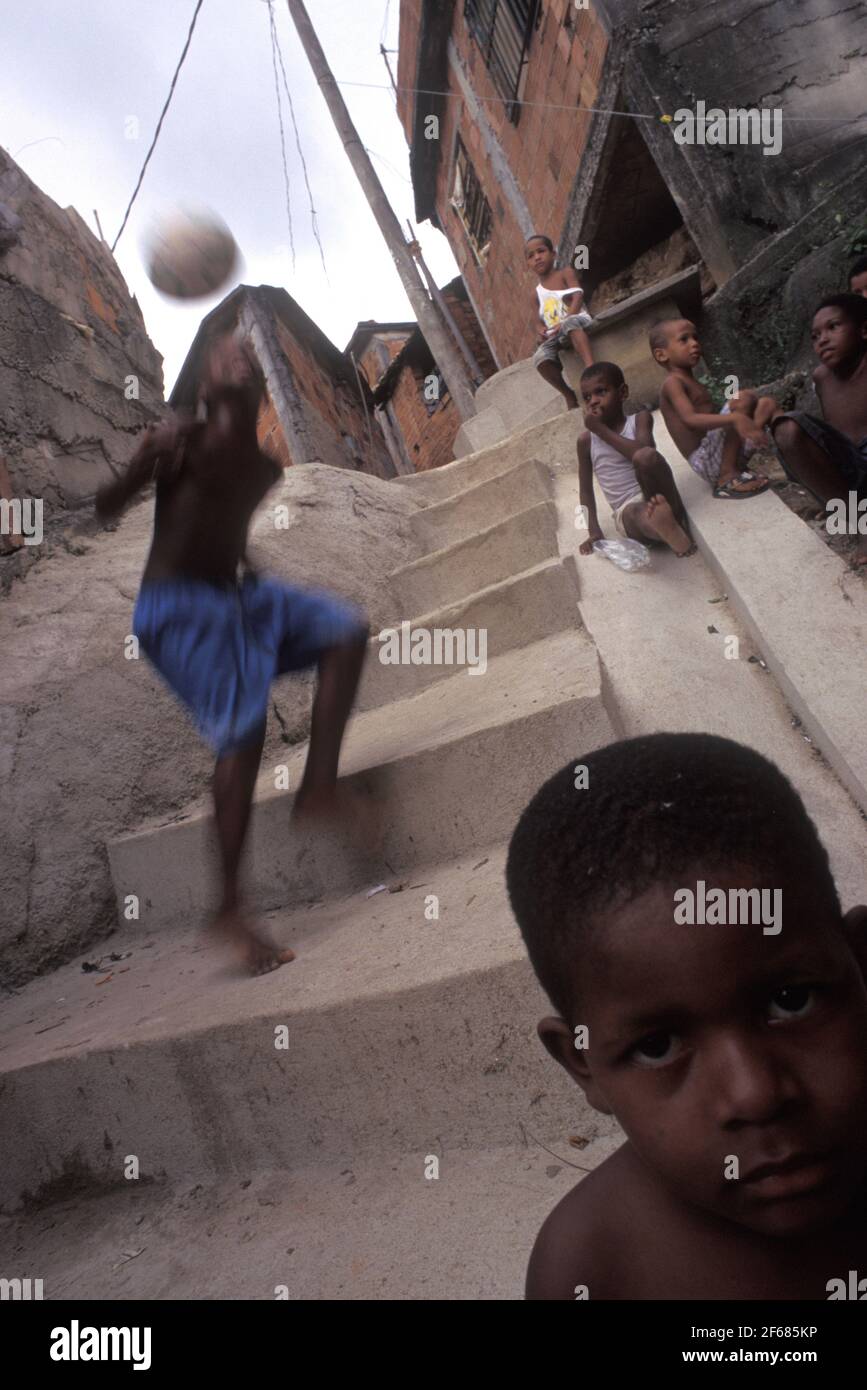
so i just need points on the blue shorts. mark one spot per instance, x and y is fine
(220, 648)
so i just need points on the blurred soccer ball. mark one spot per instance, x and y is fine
(189, 253)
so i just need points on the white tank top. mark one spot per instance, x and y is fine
(551, 307)
(615, 473)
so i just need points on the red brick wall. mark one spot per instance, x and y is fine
(332, 405)
(370, 360)
(543, 151)
(428, 439)
(407, 60)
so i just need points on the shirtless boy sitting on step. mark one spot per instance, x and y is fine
(715, 445)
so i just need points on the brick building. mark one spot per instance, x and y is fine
(318, 409)
(492, 95)
(381, 406)
(413, 405)
(497, 171)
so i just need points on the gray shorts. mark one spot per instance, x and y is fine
(550, 349)
(849, 457)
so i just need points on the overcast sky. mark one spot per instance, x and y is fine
(76, 70)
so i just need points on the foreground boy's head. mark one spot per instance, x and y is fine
(675, 344)
(539, 252)
(706, 1041)
(839, 330)
(230, 371)
(603, 392)
(858, 277)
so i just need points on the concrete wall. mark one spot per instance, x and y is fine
(93, 744)
(71, 336)
(806, 57)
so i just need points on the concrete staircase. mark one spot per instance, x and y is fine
(285, 1126)
(409, 1016)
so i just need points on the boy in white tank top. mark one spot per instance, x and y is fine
(558, 307)
(637, 482)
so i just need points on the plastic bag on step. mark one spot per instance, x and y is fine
(627, 555)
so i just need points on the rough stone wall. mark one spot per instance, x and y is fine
(71, 336)
(93, 745)
(543, 152)
(806, 57)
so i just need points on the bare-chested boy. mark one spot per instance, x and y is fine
(828, 455)
(619, 450)
(715, 445)
(218, 638)
(680, 913)
(858, 277)
(558, 308)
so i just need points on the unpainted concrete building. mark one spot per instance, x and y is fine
(79, 376)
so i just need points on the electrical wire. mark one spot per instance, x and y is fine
(282, 130)
(567, 106)
(315, 224)
(159, 123)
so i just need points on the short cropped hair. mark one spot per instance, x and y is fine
(659, 332)
(537, 236)
(609, 371)
(854, 306)
(859, 268)
(652, 809)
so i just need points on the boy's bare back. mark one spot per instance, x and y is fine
(675, 389)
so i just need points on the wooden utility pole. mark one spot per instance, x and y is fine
(444, 351)
(440, 300)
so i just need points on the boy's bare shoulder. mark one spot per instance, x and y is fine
(584, 1241)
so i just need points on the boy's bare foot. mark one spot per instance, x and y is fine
(660, 519)
(257, 953)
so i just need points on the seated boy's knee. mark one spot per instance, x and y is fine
(787, 434)
(645, 459)
(744, 400)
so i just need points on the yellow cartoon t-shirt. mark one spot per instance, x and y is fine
(551, 305)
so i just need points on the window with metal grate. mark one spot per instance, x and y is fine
(503, 30)
(470, 203)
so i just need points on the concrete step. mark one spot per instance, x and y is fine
(401, 1034)
(521, 609)
(479, 432)
(485, 558)
(479, 507)
(361, 1229)
(517, 393)
(501, 388)
(552, 443)
(447, 768)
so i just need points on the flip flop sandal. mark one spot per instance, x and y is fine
(730, 493)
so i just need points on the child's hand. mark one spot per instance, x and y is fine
(586, 547)
(749, 430)
(592, 422)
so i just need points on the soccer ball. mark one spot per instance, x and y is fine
(189, 253)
